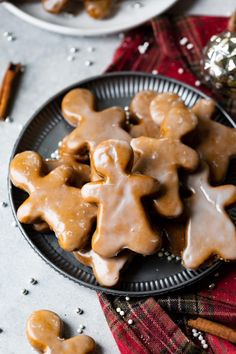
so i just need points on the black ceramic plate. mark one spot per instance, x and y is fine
(145, 276)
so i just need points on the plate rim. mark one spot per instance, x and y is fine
(111, 291)
(43, 24)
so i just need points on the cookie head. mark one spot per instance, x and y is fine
(161, 105)
(76, 104)
(204, 108)
(140, 104)
(42, 327)
(25, 168)
(178, 122)
(112, 157)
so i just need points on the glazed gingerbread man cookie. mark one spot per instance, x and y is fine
(216, 143)
(106, 270)
(91, 127)
(209, 230)
(44, 333)
(82, 174)
(161, 158)
(53, 200)
(122, 221)
(140, 114)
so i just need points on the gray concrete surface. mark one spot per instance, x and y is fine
(47, 71)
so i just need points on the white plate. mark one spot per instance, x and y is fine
(126, 15)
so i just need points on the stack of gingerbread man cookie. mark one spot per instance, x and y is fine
(121, 185)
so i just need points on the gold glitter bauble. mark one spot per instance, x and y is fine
(219, 62)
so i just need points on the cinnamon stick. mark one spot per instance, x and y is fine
(7, 88)
(214, 328)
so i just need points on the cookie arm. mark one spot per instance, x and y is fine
(116, 115)
(60, 175)
(91, 192)
(187, 157)
(146, 185)
(27, 213)
(226, 195)
(73, 143)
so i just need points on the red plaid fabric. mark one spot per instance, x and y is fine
(160, 324)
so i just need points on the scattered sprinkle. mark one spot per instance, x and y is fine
(14, 224)
(122, 313)
(130, 321)
(200, 337)
(74, 50)
(118, 309)
(71, 58)
(79, 311)
(121, 35)
(127, 298)
(196, 334)
(205, 346)
(189, 46)
(169, 258)
(137, 5)
(9, 120)
(212, 286)
(6, 34)
(160, 254)
(155, 72)
(197, 83)
(180, 71)
(166, 253)
(33, 281)
(91, 49)
(194, 330)
(11, 38)
(88, 63)
(183, 41)
(143, 47)
(203, 341)
(178, 258)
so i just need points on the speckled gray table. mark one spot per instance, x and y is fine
(48, 71)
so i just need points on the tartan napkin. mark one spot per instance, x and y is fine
(160, 324)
